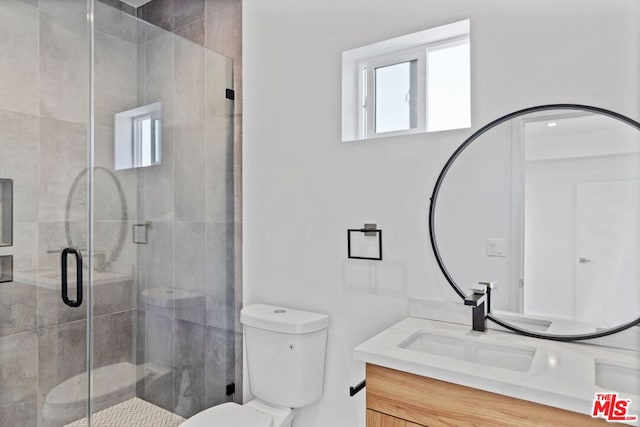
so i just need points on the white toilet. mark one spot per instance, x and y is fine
(285, 351)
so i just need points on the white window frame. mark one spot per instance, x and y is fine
(354, 59)
(367, 93)
(366, 114)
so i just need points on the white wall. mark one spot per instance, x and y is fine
(474, 205)
(303, 187)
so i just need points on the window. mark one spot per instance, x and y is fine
(146, 140)
(137, 138)
(449, 86)
(390, 94)
(411, 84)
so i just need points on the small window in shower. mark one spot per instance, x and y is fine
(146, 141)
(138, 138)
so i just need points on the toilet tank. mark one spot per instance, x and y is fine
(285, 351)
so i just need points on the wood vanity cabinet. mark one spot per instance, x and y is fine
(400, 399)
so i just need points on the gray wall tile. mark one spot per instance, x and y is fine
(158, 280)
(69, 10)
(190, 256)
(33, 3)
(23, 413)
(159, 183)
(220, 278)
(52, 311)
(193, 32)
(107, 235)
(19, 137)
(109, 183)
(141, 82)
(116, 65)
(217, 6)
(64, 68)
(219, 79)
(118, 5)
(158, 12)
(195, 311)
(157, 341)
(61, 355)
(17, 309)
(187, 11)
(190, 89)
(238, 365)
(113, 298)
(160, 249)
(190, 359)
(19, 379)
(25, 247)
(223, 31)
(220, 365)
(112, 20)
(113, 339)
(52, 239)
(19, 59)
(219, 175)
(61, 143)
(159, 338)
(190, 172)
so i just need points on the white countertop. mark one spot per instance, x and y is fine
(561, 374)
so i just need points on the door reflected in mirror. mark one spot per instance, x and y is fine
(547, 204)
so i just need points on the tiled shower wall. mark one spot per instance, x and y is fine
(205, 217)
(186, 319)
(189, 199)
(195, 236)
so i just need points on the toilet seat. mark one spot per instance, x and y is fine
(229, 415)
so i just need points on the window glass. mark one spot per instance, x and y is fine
(393, 91)
(448, 87)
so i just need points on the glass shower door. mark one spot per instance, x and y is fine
(149, 214)
(44, 111)
(164, 336)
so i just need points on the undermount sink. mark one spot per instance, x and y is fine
(513, 358)
(623, 379)
(538, 325)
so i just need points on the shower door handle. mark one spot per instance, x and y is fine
(63, 265)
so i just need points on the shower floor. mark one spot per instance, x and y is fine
(132, 413)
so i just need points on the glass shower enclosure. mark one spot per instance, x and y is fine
(116, 218)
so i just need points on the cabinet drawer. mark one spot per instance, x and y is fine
(435, 403)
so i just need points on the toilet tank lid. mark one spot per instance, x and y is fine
(283, 319)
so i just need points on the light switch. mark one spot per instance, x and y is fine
(497, 247)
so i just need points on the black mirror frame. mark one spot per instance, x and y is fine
(434, 198)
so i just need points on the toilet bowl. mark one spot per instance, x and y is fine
(286, 351)
(252, 414)
(112, 384)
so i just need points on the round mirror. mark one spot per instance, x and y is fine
(546, 202)
(110, 208)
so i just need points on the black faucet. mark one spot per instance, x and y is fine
(480, 300)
